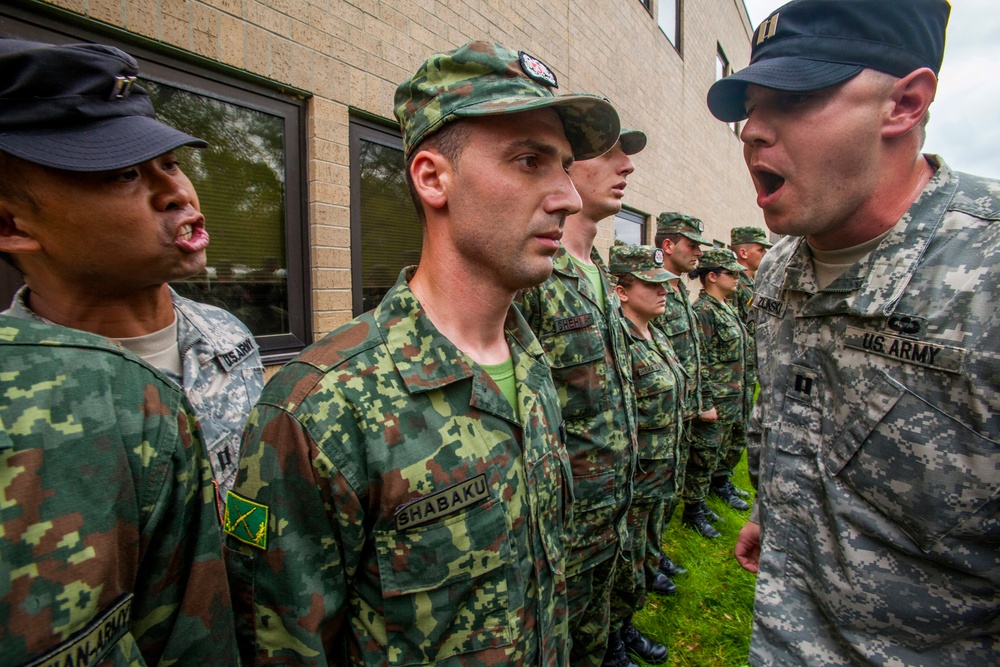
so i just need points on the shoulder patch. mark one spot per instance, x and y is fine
(246, 521)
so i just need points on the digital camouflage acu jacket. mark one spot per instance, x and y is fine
(722, 340)
(678, 322)
(222, 375)
(879, 494)
(588, 351)
(660, 388)
(110, 549)
(391, 509)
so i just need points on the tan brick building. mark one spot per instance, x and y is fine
(302, 189)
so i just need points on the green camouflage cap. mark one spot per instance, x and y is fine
(633, 141)
(741, 235)
(484, 79)
(671, 222)
(643, 261)
(722, 258)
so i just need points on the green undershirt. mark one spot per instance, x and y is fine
(593, 274)
(503, 375)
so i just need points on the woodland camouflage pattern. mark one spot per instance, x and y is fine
(679, 324)
(222, 375)
(482, 79)
(723, 344)
(105, 494)
(880, 407)
(413, 518)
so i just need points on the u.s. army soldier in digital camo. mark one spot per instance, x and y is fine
(404, 494)
(110, 549)
(98, 215)
(876, 528)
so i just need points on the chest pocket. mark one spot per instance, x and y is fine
(924, 470)
(729, 345)
(656, 395)
(446, 586)
(578, 368)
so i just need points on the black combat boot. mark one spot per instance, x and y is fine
(709, 514)
(724, 490)
(663, 585)
(670, 568)
(737, 490)
(615, 656)
(642, 647)
(694, 518)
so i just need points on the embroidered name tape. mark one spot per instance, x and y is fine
(246, 520)
(907, 350)
(649, 368)
(237, 354)
(450, 501)
(573, 323)
(89, 645)
(769, 305)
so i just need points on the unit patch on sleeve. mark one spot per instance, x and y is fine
(246, 520)
(906, 350)
(574, 323)
(450, 501)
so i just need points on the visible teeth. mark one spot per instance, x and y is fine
(186, 232)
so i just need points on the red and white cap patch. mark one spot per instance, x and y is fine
(537, 70)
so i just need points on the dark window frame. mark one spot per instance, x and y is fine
(727, 69)
(636, 217)
(676, 39)
(190, 72)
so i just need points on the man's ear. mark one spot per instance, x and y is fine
(622, 293)
(910, 97)
(742, 253)
(432, 177)
(15, 236)
(667, 247)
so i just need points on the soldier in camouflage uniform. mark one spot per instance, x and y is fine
(723, 345)
(578, 320)
(404, 494)
(876, 528)
(749, 245)
(100, 231)
(109, 539)
(659, 387)
(680, 237)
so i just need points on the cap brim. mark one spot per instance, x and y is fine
(654, 275)
(112, 143)
(590, 122)
(794, 74)
(696, 237)
(632, 141)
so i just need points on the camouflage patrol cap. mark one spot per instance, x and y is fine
(484, 79)
(632, 141)
(670, 222)
(642, 261)
(719, 258)
(741, 235)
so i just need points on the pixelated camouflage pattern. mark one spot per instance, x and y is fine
(587, 348)
(484, 79)
(105, 492)
(672, 222)
(379, 414)
(642, 261)
(221, 392)
(750, 234)
(880, 469)
(679, 324)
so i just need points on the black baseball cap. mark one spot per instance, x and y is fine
(78, 107)
(811, 44)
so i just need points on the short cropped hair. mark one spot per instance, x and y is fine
(449, 141)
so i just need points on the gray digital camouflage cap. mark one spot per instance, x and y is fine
(484, 79)
(671, 222)
(722, 258)
(741, 235)
(642, 261)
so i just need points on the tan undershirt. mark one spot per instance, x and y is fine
(831, 264)
(158, 349)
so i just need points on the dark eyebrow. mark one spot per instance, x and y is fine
(538, 147)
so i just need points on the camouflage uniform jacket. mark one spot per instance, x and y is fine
(659, 387)
(741, 301)
(109, 541)
(223, 375)
(679, 323)
(880, 468)
(723, 342)
(413, 518)
(587, 349)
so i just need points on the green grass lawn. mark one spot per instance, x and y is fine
(707, 623)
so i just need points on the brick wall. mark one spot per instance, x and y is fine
(353, 53)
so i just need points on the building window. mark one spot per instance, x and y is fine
(668, 16)
(722, 70)
(385, 230)
(644, 3)
(249, 183)
(630, 227)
